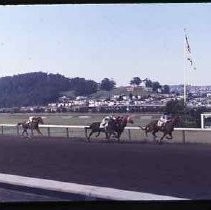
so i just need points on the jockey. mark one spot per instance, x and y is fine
(30, 119)
(105, 121)
(166, 117)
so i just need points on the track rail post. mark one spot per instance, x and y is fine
(183, 136)
(129, 134)
(18, 132)
(67, 132)
(49, 134)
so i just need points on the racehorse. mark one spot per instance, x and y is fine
(167, 128)
(95, 128)
(33, 125)
(116, 127)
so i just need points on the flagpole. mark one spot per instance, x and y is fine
(184, 49)
(187, 56)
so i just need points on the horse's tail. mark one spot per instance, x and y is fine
(142, 128)
(85, 130)
(146, 129)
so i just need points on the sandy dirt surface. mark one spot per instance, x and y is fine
(180, 170)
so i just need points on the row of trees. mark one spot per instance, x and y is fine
(85, 87)
(82, 86)
(31, 89)
(190, 117)
(38, 88)
(148, 83)
(108, 84)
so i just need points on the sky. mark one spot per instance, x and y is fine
(117, 41)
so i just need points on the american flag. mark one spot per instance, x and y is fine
(188, 52)
(187, 44)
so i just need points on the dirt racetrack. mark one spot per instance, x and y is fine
(180, 170)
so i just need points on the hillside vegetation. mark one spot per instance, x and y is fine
(38, 88)
(31, 89)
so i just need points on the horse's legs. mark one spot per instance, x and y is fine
(38, 131)
(164, 134)
(98, 134)
(118, 136)
(32, 134)
(170, 134)
(85, 130)
(108, 135)
(153, 133)
(115, 135)
(25, 132)
(90, 134)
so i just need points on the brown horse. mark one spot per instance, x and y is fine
(34, 125)
(116, 127)
(167, 128)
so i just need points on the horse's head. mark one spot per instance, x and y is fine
(39, 120)
(127, 119)
(130, 120)
(176, 120)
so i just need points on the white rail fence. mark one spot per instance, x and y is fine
(67, 131)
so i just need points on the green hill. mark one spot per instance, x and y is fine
(38, 88)
(35, 88)
(101, 94)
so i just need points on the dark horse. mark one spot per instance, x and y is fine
(167, 128)
(116, 127)
(95, 128)
(34, 125)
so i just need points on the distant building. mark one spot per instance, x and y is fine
(81, 98)
(130, 88)
(148, 89)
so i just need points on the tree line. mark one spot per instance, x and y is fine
(190, 117)
(39, 88)
(150, 84)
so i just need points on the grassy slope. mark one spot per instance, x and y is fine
(105, 94)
